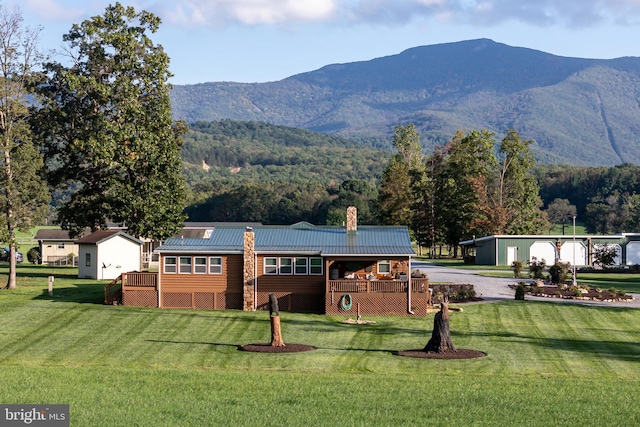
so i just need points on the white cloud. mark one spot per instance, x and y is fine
(246, 12)
(289, 13)
(52, 10)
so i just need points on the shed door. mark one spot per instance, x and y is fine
(512, 254)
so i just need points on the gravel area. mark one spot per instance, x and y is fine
(497, 289)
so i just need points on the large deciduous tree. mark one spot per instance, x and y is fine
(23, 193)
(395, 197)
(516, 194)
(107, 123)
(469, 168)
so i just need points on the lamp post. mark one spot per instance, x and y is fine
(574, 251)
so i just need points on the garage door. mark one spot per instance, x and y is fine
(566, 253)
(543, 251)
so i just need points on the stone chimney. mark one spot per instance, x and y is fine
(352, 220)
(249, 271)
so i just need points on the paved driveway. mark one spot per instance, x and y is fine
(496, 289)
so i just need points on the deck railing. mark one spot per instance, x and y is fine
(140, 279)
(113, 291)
(377, 286)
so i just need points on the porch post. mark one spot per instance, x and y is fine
(409, 288)
(249, 271)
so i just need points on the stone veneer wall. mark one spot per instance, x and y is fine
(248, 271)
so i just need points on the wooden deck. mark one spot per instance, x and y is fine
(378, 286)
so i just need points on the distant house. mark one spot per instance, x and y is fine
(106, 254)
(56, 246)
(321, 269)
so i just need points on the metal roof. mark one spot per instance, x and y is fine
(308, 239)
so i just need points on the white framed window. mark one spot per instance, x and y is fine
(315, 266)
(286, 266)
(300, 265)
(200, 265)
(185, 265)
(384, 266)
(215, 265)
(170, 264)
(87, 259)
(61, 245)
(271, 266)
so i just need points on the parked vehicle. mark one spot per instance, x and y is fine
(4, 255)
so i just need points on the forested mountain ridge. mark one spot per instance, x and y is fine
(578, 111)
(228, 153)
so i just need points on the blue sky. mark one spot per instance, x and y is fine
(268, 40)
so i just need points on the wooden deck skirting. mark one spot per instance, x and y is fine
(113, 291)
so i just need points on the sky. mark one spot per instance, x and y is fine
(268, 40)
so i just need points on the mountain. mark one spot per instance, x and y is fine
(577, 111)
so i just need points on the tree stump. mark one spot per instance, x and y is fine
(274, 313)
(440, 341)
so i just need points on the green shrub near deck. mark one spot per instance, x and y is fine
(547, 363)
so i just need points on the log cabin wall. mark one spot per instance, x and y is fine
(295, 290)
(207, 290)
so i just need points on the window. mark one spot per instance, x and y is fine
(271, 266)
(315, 266)
(185, 264)
(300, 265)
(286, 266)
(384, 266)
(170, 264)
(200, 265)
(215, 265)
(87, 259)
(61, 245)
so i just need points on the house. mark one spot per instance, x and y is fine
(106, 254)
(320, 269)
(189, 230)
(578, 250)
(56, 246)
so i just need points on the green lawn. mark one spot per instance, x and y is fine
(547, 364)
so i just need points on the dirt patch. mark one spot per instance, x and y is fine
(268, 348)
(461, 353)
(351, 321)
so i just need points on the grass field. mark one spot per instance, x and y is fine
(546, 364)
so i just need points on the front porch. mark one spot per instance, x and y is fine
(378, 297)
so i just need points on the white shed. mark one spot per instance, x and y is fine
(106, 254)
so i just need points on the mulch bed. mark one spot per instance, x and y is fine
(268, 348)
(591, 294)
(461, 353)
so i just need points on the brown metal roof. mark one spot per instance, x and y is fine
(102, 235)
(56, 234)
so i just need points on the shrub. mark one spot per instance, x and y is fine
(520, 291)
(517, 268)
(559, 272)
(536, 268)
(605, 255)
(34, 256)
